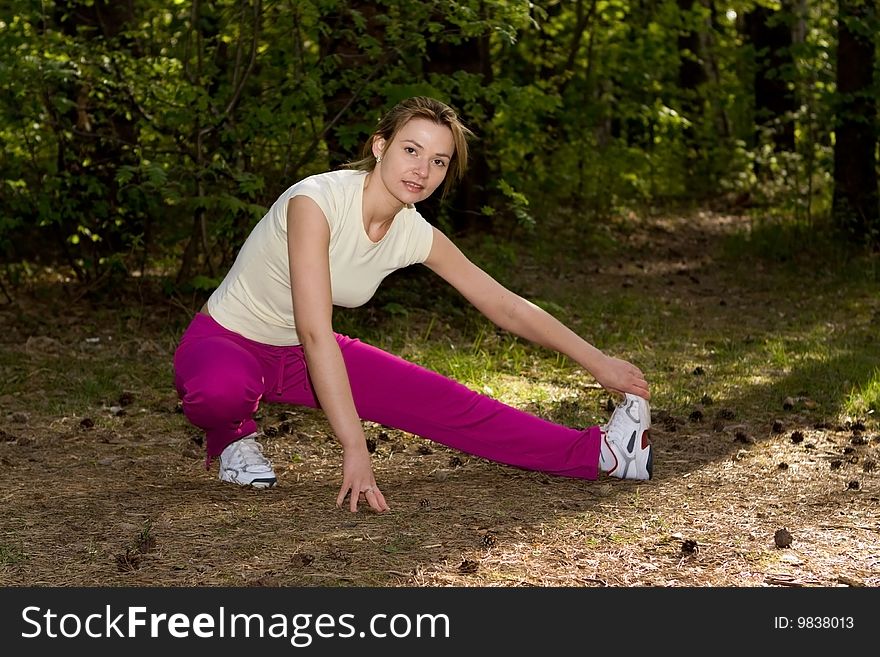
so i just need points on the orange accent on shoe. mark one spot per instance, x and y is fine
(646, 439)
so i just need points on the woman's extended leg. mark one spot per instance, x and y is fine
(400, 394)
(222, 377)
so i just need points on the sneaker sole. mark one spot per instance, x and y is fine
(645, 414)
(265, 482)
(262, 483)
(646, 437)
(645, 419)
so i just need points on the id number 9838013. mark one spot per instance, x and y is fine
(814, 623)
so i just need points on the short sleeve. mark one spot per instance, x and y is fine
(319, 191)
(420, 239)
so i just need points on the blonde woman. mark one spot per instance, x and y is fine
(266, 333)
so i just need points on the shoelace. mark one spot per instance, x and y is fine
(615, 417)
(249, 453)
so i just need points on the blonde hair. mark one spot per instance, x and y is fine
(420, 107)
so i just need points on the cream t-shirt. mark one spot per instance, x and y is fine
(255, 299)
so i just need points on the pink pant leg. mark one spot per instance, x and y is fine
(400, 394)
(219, 379)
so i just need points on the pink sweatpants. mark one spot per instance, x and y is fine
(222, 377)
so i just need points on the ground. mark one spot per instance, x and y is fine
(764, 476)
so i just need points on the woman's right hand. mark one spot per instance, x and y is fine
(358, 480)
(621, 376)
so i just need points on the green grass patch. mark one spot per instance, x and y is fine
(864, 399)
(10, 556)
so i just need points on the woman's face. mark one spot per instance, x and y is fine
(415, 162)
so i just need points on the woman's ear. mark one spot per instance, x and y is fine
(378, 145)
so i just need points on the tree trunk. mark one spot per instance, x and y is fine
(474, 191)
(771, 37)
(855, 205)
(691, 77)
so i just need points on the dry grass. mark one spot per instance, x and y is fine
(103, 482)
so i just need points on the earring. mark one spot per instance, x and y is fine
(378, 159)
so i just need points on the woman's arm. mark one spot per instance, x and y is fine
(517, 315)
(308, 248)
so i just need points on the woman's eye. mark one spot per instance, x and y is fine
(409, 149)
(440, 163)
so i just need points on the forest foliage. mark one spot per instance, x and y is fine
(148, 136)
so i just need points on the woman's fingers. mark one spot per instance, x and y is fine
(342, 493)
(373, 496)
(377, 500)
(369, 494)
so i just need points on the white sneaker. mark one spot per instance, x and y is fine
(243, 463)
(626, 450)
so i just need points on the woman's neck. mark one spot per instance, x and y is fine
(379, 207)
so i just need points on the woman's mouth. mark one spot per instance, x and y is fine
(415, 188)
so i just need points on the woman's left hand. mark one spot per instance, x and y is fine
(621, 376)
(358, 481)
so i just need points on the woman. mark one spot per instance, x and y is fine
(266, 333)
